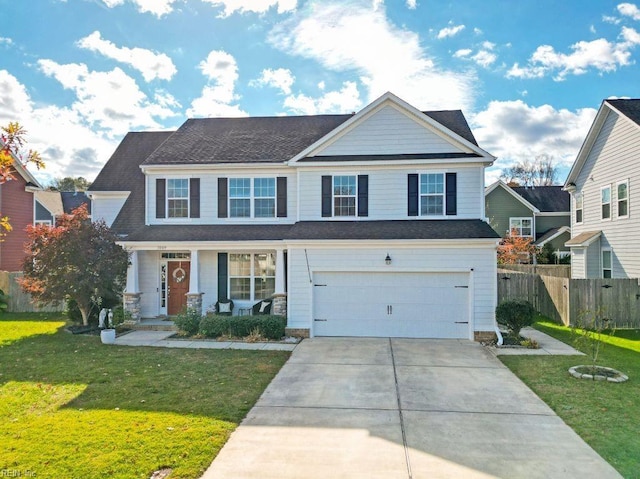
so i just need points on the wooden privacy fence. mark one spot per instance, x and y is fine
(560, 270)
(564, 299)
(20, 302)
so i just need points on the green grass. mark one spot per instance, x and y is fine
(72, 407)
(605, 415)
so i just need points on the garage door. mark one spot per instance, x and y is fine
(405, 305)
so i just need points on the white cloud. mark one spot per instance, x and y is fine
(110, 101)
(600, 54)
(158, 8)
(351, 37)
(484, 57)
(321, 85)
(463, 53)
(592, 28)
(450, 31)
(629, 10)
(412, 4)
(345, 100)
(152, 65)
(254, 6)
(280, 78)
(514, 131)
(611, 19)
(6, 41)
(221, 69)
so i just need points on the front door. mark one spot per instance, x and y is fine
(178, 286)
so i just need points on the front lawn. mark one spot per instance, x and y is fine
(72, 407)
(605, 415)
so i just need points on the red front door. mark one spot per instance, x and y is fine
(178, 286)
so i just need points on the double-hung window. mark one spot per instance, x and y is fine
(252, 276)
(606, 263)
(344, 195)
(521, 227)
(432, 194)
(605, 202)
(252, 198)
(178, 198)
(578, 202)
(623, 199)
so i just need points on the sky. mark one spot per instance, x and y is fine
(528, 75)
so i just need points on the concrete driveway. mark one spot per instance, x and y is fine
(402, 408)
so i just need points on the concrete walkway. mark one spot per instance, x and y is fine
(402, 408)
(161, 339)
(548, 346)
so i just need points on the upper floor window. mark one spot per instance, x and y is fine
(178, 198)
(521, 227)
(605, 202)
(432, 194)
(255, 199)
(264, 192)
(240, 197)
(578, 201)
(344, 195)
(623, 199)
(606, 263)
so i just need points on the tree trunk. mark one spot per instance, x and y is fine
(84, 311)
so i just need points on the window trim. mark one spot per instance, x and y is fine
(443, 194)
(610, 268)
(602, 204)
(520, 218)
(187, 198)
(581, 209)
(354, 196)
(252, 198)
(42, 223)
(252, 276)
(624, 182)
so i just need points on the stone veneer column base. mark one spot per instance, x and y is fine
(484, 336)
(279, 305)
(297, 332)
(194, 301)
(132, 306)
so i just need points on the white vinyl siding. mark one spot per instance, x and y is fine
(107, 209)
(613, 158)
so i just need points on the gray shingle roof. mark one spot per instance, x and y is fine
(72, 200)
(630, 108)
(546, 198)
(319, 230)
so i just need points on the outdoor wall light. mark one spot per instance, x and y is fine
(387, 260)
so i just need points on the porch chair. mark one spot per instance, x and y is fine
(224, 307)
(262, 307)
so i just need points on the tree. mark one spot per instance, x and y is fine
(12, 141)
(70, 183)
(515, 249)
(76, 259)
(539, 172)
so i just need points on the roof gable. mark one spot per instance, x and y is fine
(514, 195)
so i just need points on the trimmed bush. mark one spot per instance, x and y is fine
(188, 321)
(515, 315)
(270, 327)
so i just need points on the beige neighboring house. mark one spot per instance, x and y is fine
(604, 183)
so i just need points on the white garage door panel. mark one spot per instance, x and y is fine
(417, 305)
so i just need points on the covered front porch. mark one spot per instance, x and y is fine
(163, 280)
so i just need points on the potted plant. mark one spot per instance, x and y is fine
(105, 323)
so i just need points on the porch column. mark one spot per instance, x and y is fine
(194, 296)
(279, 307)
(131, 296)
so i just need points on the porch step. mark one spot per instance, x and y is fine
(154, 325)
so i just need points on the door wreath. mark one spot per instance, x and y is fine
(179, 274)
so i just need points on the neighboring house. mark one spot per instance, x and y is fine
(51, 204)
(368, 224)
(542, 213)
(17, 203)
(604, 183)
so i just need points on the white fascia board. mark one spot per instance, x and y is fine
(196, 168)
(107, 194)
(553, 213)
(390, 99)
(22, 170)
(508, 189)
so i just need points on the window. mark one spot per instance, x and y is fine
(432, 194)
(605, 195)
(252, 199)
(252, 276)
(606, 263)
(344, 195)
(578, 201)
(520, 227)
(623, 199)
(178, 198)
(43, 223)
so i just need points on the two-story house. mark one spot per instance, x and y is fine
(603, 183)
(369, 224)
(542, 213)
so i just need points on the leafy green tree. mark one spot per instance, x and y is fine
(70, 183)
(76, 259)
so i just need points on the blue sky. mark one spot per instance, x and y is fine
(529, 75)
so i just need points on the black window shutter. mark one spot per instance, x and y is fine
(412, 200)
(222, 198)
(363, 195)
(223, 292)
(161, 195)
(281, 208)
(194, 197)
(451, 193)
(326, 196)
